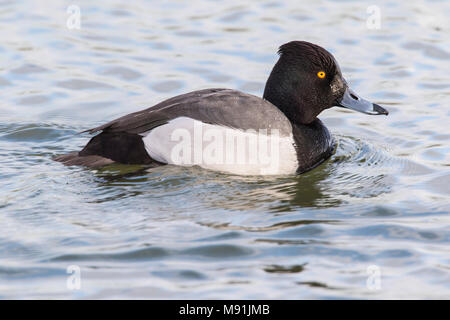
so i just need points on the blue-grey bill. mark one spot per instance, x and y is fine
(351, 100)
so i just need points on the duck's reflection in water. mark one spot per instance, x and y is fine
(345, 176)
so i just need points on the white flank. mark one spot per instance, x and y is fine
(187, 142)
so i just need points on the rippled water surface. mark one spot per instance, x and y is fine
(380, 203)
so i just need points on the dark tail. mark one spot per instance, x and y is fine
(106, 148)
(74, 159)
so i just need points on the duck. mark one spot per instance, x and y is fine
(234, 132)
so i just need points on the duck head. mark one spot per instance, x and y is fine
(307, 80)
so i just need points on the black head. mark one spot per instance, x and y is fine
(307, 80)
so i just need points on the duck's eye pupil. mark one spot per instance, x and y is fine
(321, 74)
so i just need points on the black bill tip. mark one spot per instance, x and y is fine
(379, 109)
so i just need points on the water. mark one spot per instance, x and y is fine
(380, 203)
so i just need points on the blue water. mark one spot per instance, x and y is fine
(380, 203)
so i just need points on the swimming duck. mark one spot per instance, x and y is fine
(235, 132)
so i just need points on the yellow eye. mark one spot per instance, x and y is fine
(321, 74)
